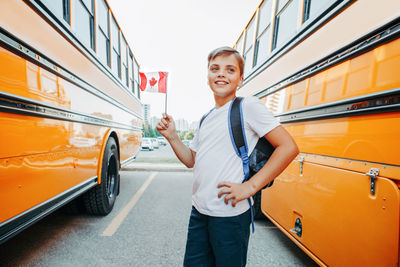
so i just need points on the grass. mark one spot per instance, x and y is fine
(157, 160)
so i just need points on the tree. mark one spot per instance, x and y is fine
(148, 131)
(156, 132)
(189, 135)
(181, 134)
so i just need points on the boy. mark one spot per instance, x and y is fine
(219, 225)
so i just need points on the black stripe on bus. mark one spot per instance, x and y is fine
(385, 34)
(16, 224)
(22, 49)
(386, 101)
(21, 105)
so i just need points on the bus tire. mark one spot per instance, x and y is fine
(257, 206)
(74, 207)
(100, 199)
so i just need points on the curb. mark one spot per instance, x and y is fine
(156, 167)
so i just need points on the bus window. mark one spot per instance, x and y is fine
(249, 47)
(281, 4)
(84, 22)
(103, 33)
(130, 64)
(115, 56)
(312, 8)
(285, 22)
(60, 8)
(136, 77)
(239, 44)
(263, 40)
(124, 56)
(274, 102)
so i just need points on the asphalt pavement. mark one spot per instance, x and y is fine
(147, 227)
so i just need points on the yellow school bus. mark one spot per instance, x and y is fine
(329, 70)
(70, 109)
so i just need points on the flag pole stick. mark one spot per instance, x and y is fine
(166, 92)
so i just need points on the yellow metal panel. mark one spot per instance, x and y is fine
(371, 138)
(343, 224)
(371, 72)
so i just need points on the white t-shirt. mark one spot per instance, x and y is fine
(216, 160)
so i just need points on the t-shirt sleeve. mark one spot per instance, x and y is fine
(194, 145)
(257, 116)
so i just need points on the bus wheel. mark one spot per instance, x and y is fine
(100, 199)
(257, 206)
(74, 207)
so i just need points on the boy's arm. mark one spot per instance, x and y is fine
(166, 127)
(285, 151)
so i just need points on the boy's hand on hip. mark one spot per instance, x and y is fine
(235, 192)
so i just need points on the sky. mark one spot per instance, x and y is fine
(176, 36)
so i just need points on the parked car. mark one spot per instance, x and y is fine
(162, 141)
(147, 144)
(155, 143)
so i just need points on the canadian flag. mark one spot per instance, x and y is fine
(153, 82)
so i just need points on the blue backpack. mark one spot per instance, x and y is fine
(257, 159)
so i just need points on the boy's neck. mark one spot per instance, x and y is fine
(220, 101)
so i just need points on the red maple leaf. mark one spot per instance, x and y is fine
(152, 82)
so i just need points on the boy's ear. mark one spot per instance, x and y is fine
(241, 81)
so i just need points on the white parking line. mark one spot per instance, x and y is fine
(116, 222)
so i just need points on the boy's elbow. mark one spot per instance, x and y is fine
(295, 150)
(190, 165)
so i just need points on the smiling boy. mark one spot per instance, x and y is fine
(219, 225)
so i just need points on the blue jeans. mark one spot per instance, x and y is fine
(217, 241)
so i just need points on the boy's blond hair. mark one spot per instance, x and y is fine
(226, 51)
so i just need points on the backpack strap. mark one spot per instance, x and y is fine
(205, 116)
(239, 142)
(238, 135)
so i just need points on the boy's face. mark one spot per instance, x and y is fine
(224, 76)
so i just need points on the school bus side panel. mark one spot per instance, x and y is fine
(43, 156)
(342, 222)
(335, 86)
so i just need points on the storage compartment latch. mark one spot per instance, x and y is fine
(298, 228)
(373, 172)
(301, 161)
